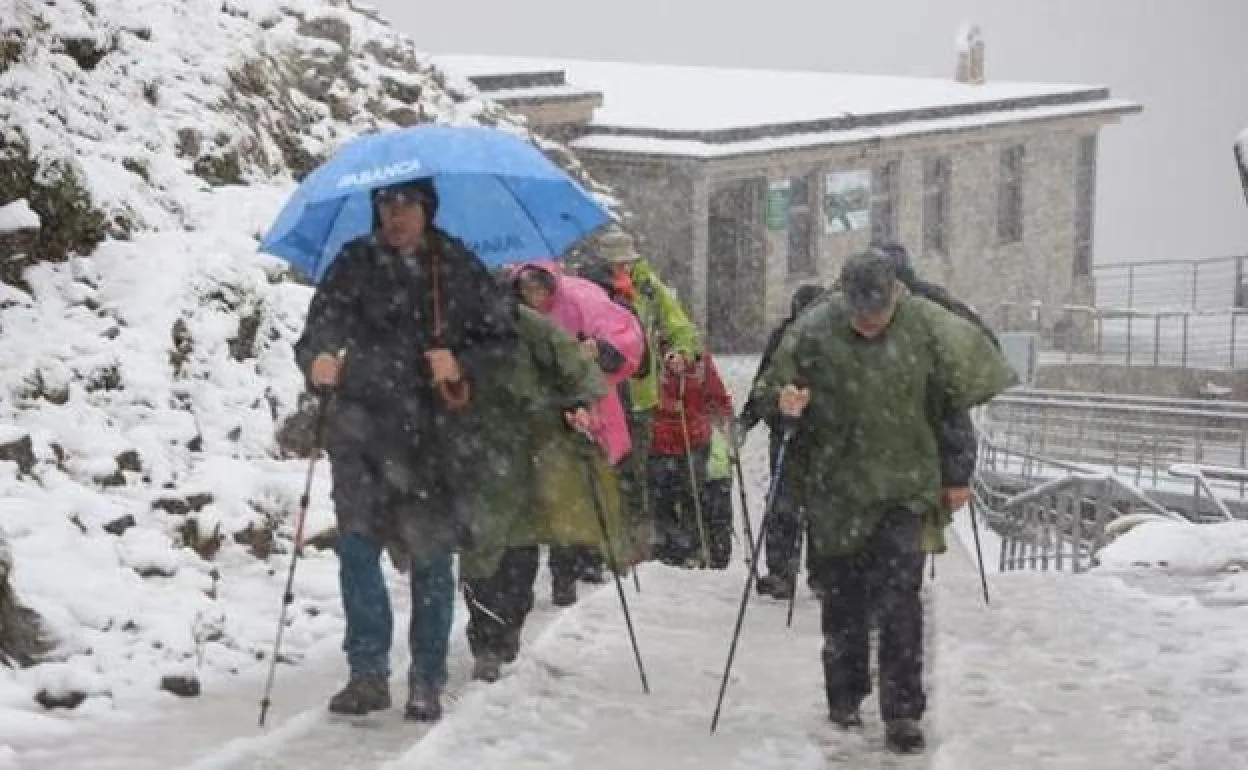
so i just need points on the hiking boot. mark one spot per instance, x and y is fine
(510, 646)
(362, 694)
(818, 590)
(775, 586)
(487, 668)
(904, 736)
(563, 593)
(424, 704)
(846, 718)
(593, 573)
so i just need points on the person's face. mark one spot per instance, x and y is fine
(403, 222)
(535, 295)
(872, 325)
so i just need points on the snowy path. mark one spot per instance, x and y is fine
(218, 731)
(574, 700)
(1084, 671)
(1062, 671)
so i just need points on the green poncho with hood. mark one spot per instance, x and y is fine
(866, 442)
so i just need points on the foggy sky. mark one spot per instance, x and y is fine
(1168, 187)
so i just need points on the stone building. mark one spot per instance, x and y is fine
(748, 183)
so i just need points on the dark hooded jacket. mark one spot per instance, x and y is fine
(398, 454)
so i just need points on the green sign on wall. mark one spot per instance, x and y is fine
(778, 205)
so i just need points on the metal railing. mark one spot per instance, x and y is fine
(1051, 514)
(1058, 469)
(1062, 523)
(1172, 284)
(1212, 339)
(1136, 438)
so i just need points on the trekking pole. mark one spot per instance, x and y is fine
(745, 506)
(288, 596)
(637, 481)
(694, 487)
(796, 566)
(756, 546)
(979, 550)
(591, 474)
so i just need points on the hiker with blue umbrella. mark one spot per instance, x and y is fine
(397, 230)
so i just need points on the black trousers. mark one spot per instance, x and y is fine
(672, 497)
(635, 482)
(717, 506)
(568, 562)
(884, 579)
(781, 534)
(498, 605)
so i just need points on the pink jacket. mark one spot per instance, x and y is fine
(584, 310)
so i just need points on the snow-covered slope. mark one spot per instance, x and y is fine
(145, 346)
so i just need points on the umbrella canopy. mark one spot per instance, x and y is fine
(496, 191)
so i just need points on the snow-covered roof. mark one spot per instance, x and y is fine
(666, 100)
(698, 148)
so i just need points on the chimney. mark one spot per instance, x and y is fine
(970, 67)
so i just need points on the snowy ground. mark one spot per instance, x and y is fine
(1120, 668)
(1061, 672)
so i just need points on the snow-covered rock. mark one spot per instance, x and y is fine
(18, 215)
(145, 346)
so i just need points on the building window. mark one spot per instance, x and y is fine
(1085, 204)
(884, 201)
(1010, 196)
(937, 175)
(801, 228)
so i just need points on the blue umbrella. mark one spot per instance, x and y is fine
(496, 192)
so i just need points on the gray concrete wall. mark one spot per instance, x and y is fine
(660, 198)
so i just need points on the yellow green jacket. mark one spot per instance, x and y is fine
(661, 316)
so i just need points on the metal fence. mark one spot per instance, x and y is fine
(1182, 451)
(1132, 337)
(1206, 284)
(1060, 523)
(1058, 470)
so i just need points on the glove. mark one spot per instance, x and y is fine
(580, 420)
